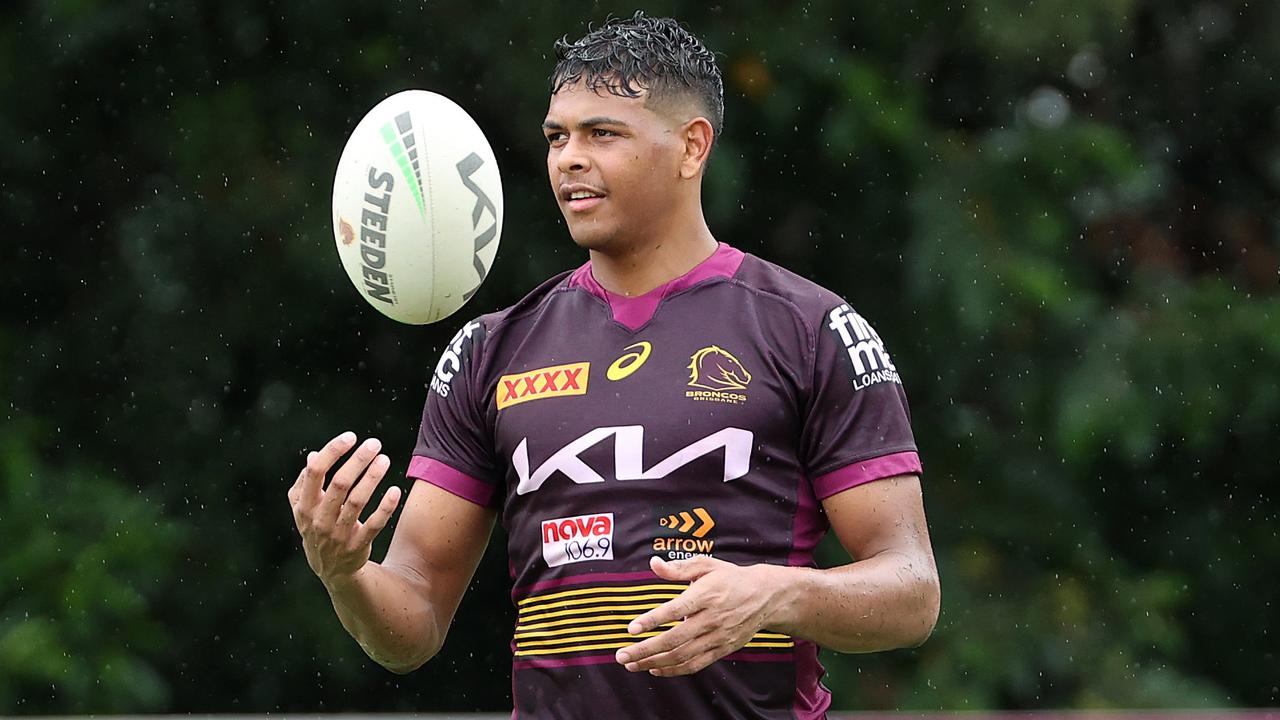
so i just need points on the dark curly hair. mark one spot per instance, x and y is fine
(642, 53)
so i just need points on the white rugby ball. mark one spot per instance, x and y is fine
(417, 207)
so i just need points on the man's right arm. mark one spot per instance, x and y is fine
(398, 610)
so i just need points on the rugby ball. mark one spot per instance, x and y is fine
(417, 207)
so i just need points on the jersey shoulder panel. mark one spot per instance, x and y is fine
(457, 429)
(509, 322)
(809, 299)
(818, 308)
(855, 407)
(530, 304)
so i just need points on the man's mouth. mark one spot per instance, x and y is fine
(581, 200)
(584, 201)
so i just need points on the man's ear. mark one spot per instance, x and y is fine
(698, 136)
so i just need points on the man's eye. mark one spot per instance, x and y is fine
(553, 138)
(601, 132)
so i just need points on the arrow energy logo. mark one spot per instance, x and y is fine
(684, 522)
(685, 535)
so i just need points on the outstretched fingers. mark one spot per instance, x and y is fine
(345, 479)
(311, 480)
(354, 504)
(381, 516)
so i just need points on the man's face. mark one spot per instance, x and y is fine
(614, 165)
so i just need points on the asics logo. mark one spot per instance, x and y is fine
(629, 362)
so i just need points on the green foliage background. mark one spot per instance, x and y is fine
(1062, 216)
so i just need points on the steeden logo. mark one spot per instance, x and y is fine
(717, 374)
(633, 357)
(547, 382)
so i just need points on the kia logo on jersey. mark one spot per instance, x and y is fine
(628, 457)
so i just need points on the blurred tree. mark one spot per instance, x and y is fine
(1061, 216)
(84, 557)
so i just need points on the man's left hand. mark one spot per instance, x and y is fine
(723, 607)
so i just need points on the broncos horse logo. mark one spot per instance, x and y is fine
(715, 368)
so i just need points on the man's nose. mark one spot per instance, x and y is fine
(574, 157)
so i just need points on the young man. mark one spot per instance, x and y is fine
(667, 432)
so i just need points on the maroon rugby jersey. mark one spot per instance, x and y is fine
(709, 416)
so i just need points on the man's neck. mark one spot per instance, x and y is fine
(646, 265)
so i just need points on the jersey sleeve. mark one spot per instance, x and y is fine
(857, 424)
(455, 444)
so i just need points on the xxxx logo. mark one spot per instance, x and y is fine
(630, 361)
(548, 382)
(685, 521)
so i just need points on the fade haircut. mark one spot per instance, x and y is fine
(626, 57)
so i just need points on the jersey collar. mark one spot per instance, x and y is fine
(634, 312)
